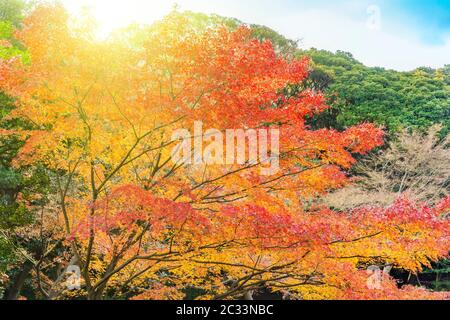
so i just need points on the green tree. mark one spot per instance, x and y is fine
(397, 100)
(13, 11)
(21, 189)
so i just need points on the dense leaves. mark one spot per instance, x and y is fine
(416, 99)
(398, 100)
(139, 223)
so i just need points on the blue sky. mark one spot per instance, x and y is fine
(396, 34)
(430, 19)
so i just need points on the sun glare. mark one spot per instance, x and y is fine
(113, 14)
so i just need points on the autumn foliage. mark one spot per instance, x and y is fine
(139, 224)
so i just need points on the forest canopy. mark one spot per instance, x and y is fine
(90, 190)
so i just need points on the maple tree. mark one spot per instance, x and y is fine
(139, 224)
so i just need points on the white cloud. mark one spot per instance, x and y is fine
(389, 48)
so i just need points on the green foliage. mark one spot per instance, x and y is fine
(440, 267)
(396, 100)
(20, 188)
(14, 215)
(9, 179)
(11, 14)
(13, 181)
(203, 21)
(6, 254)
(8, 50)
(12, 11)
(6, 29)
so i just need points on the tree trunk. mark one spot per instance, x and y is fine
(19, 280)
